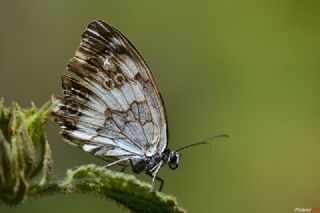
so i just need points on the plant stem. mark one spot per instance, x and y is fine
(123, 189)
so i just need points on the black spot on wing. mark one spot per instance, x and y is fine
(72, 88)
(121, 50)
(95, 61)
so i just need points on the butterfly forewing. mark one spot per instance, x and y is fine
(115, 108)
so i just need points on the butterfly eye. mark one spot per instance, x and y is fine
(173, 165)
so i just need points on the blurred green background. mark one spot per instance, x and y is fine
(247, 68)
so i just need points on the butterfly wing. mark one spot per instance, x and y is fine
(115, 108)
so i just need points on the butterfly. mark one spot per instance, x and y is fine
(114, 109)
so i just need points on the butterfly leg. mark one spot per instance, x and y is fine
(153, 173)
(155, 177)
(161, 182)
(115, 162)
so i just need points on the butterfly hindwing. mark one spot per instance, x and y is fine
(114, 108)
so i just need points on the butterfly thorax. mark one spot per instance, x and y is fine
(149, 164)
(146, 163)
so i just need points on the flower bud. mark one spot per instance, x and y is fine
(25, 157)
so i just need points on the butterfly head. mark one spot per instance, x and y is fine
(173, 159)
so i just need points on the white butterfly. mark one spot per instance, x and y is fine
(114, 110)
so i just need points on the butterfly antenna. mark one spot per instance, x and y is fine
(205, 141)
